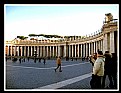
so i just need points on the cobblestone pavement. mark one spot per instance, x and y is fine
(29, 75)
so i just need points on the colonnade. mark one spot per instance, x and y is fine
(105, 42)
(70, 50)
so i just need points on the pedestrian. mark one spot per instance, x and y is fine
(44, 60)
(39, 59)
(20, 60)
(108, 70)
(92, 58)
(76, 58)
(24, 59)
(114, 70)
(28, 59)
(95, 56)
(98, 71)
(58, 61)
(72, 59)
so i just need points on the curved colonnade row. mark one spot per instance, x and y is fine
(105, 40)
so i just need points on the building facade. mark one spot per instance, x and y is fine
(76, 47)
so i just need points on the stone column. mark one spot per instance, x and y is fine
(11, 50)
(81, 50)
(31, 51)
(50, 51)
(47, 51)
(94, 46)
(72, 51)
(37, 50)
(101, 45)
(40, 51)
(69, 51)
(24, 50)
(21, 50)
(58, 50)
(14, 50)
(98, 45)
(44, 51)
(75, 50)
(18, 50)
(89, 48)
(8, 50)
(78, 50)
(53, 51)
(64, 50)
(112, 46)
(28, 51)
(105, 48)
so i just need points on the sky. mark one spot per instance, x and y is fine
(55, 19)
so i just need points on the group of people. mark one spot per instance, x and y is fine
(103, 65)
(35, 59)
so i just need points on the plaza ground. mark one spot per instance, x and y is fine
(75, 75)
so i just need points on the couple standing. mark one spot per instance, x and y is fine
(104, 65)
(98, 71)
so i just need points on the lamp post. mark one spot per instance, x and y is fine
(35, 55)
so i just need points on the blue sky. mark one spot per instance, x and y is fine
(59, 19)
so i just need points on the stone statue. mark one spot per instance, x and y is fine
(108, 17)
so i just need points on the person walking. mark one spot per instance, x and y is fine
(108, 70)
(39, 59)
(98, 71)
(58, 61)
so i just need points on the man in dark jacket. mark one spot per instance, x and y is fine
(108, 70)
(114, 69)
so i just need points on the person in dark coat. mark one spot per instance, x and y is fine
(39, 59)
(44, 60)
(114, 69)
(20, 60)
(108, 70)
(28, 59)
